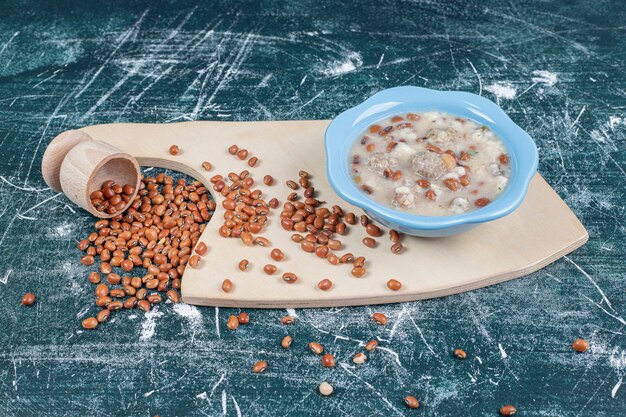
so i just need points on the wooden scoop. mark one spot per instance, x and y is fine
(77, 165)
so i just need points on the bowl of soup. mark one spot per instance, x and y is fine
(429, 163)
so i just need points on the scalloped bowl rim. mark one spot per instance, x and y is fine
(346, 127)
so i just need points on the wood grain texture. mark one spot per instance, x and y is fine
(557, 68)
(542, 230)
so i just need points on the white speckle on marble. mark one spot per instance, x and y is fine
(545, 77)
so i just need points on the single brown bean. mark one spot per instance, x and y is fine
(173, 296)
(243, 318)
(508, 410)
(459, 354)
(103, 315)
(233, 322)
(292, 184)
(227, 285)
(115, 305)
(369, 242)
(289, 277)
(373, 230)
(233, 150)
(394, 284)
(242, 154)
(287, 320)
(277, 254)
(397, 247)
(253, 161)
(379, 318)
(371, 345)
(350, 218)
(347, 258)
(364, 220)
(259, 367)
(394, 236)
(325, 284)
(101, 290)
(316, 348)
(207, 166)
(307, 246)
(286, 342)
(328, 360)
(411, 402)
(261, 241)
(270, 269)
(201, 248)
(580, 345)
(90, 323)
(243, 264)
(268, 180)
(358, 271)
(144, 305)
(193, 261)
(174, 150)
(94, 277)
(28, 299)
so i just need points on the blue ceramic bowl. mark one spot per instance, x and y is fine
(349, 126)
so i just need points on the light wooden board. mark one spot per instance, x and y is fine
(540, 231)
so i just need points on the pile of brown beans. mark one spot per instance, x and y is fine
(111, 198)
(245, 211)
(157, 233)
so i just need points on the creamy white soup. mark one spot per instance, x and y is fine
(430, 164)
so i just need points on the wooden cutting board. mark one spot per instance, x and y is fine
(539, 232)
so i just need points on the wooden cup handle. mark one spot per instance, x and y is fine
(77, 164)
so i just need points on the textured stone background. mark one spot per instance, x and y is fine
(557, 68)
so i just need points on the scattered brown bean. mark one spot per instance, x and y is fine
(287, 320)
(347, 258)
(259, 367)
(394, 236)
(328, 360)
(379, 318)
(243, 264)
(316, 348)
(90, 323)
(350, 218)
(277, 254)
(233, 150)
(144, 305)
(364, 220)
(173, 296)
(290, 277)
(233, 322)
(28, 299)
(371, 345)
(94, 277)
(292, 184)
(253, 161)
(201, 248)
(359, 358)
(411, 401)
(358, 271)
(580, 345)
(286, 342)
(508, 410)
(243, 318)
(207, 166)
(103, 315)
(227, 285)
(373, 230)
(325, 284)
(268, 180)
(459, 354)
(397, 247)
(174, 150)
(269, 269)
(193, 261)
(369, 242)
(482, 202)
(394, 284)
(242, 154)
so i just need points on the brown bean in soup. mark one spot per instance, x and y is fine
(430, 164)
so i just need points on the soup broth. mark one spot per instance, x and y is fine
(430, 164)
